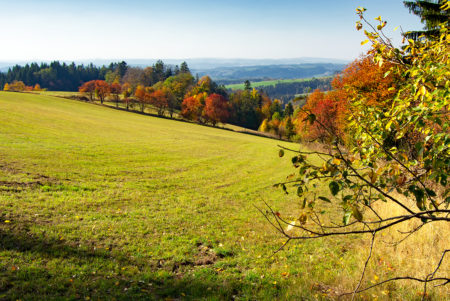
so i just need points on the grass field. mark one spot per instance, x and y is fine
(267, 83)
(98, 203)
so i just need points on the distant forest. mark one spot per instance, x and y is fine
(287, 91)
(231, 75)
(58, 76)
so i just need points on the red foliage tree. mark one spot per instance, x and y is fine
(217, 109)
(88, 88)
(192, 107)
(159, 99)
(329, 110)
(362, 79)
(101, 89)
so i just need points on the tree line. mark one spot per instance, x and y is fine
(168, 90)
(198, 99)
(58, 76)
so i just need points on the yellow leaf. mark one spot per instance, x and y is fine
(336, 161)
(7, 221)
(388, 125)
(364, 42)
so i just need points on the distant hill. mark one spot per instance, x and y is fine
(199, 64)
(229, 75)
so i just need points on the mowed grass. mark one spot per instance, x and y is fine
(103, 204)
(267, 83)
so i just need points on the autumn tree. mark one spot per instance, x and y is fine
(329, 109)
(192, 107)
(37, 87)
(116, 89)
(101, 90)
(368, 175)
(216, 109)
(16, 86)
(178, 85)
(160, 100)
(141, 96)
(88, 88)
(126, 93)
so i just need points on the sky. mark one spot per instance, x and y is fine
(138, 29)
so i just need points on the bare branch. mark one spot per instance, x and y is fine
(365, 266)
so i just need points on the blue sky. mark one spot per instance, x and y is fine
(133, 29)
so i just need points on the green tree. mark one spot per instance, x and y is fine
(290, 129)
(184, 68)
(247, 85)
(430, 13)
(288, 110)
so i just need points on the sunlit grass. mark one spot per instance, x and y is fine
(98, 202)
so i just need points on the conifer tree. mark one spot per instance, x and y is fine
(431, 13)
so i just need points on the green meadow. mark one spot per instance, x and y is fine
(102, 204)
(267, 83)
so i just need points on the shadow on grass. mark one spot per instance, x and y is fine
(38, 268)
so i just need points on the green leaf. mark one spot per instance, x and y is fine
(334, 187)
(281, 153)
(430, 192)
(284, 188)
(357, 214)
(419, 194)
(299, 191)
(324, 199)
(447, 200)
(304, 203)
(347, 198)
(346, 218)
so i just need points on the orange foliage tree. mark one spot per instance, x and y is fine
(141, 97)
(159, 99)
(329, 110)
(101, 89)
(88, 88)
(192, 107)
(364, 78)
(115, 89)
(16, 86)
(369, 80)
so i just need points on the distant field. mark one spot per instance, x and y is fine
(267, 83)
(98, 203)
